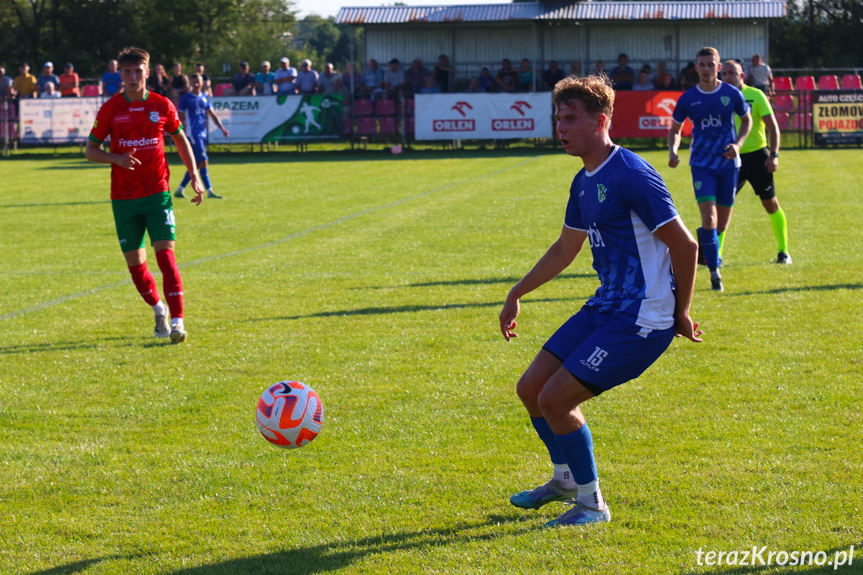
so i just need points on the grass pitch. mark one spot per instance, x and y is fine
(379, 284)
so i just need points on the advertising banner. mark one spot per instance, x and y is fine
(248, 119)
(644, 114)
(483, 116)
(837, 117)
(57, 120)
(254, 119)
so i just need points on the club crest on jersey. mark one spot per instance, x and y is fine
(601, 192)
(154, 117)
(725, 100)
(697, 185)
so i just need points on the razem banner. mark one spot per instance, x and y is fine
(57, 120)
(255, 119)
(482, 116)
(645, 114)
(837, 117)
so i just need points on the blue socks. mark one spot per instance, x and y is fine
(577, 449)
(205, 178)
(186, 179)
(709, 241)
(547, 436)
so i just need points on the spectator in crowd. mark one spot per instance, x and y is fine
(69, 82)
(663, 80)
(7, 83)
(307, 78)
(474, 87)
(444, 73)
(352, 77)
(507, 77)
(47, 76)
(25, 83)
(243, 83)
(158, 81)
(574, 69)
(179, 83)
(111, 81)
(264, 80)
(372, 80)
(206, 86)
(688, 77)
(759, 75)
(430, 87)
(394, 79)
(552, 76)
(339, 89)
(622, 75)
(600, 68)
(415, 76)
(486, 80)
(644, 82)
(48, 91)
(327, 79)
(525, 76)
(285, 78)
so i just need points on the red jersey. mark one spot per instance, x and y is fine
(140, 126)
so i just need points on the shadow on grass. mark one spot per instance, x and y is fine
(41, 205)
(77, 345)
(342, 554)
(483, 281)
(400, 309)
(833, 287)
(843, 555)
(80, 566)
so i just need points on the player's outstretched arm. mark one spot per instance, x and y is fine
(555, 260)
(184, 148)
(674, 143)
(218, 122)
(684, 253)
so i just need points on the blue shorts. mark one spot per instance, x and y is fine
(718, 186)
(602, 352)
(199, 148)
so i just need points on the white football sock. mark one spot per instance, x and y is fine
(589, 495)
(160, 308)
(177, 322)
(563, 476)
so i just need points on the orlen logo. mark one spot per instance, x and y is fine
(654, 122)
(141, 143)
(711, 121)
(519, 105)
(460, 106)
(454, 125)
(513, 125)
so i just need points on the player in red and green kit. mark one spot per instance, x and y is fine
(136, 121)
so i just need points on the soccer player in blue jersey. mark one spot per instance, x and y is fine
(714, 155)
(620, 205)
(194, 108)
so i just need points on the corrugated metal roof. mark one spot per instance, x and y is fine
(733, 9)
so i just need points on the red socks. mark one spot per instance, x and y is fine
(145, 283)
(172, 284)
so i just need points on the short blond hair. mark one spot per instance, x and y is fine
(594, 92)
(709, 51)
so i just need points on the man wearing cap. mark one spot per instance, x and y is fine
(244, 81)
(264, 80)
(307, 78)
(285, 78)
(47, 76)
(394, 78)
(69, 82)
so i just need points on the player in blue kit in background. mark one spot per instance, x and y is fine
(714, 155)
(194, 107)
(620, 204)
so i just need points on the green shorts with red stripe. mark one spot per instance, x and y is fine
(152, 214)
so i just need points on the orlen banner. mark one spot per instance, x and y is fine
(837, 117)
(644, 114)
(483, 116)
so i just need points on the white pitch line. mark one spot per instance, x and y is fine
(293, 236)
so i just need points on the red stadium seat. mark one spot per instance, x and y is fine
(783, 120)
(220, 89)
(784, 103)
(805, 83)
(782, 83)
(89, 90)
(348, 124)
(389, 125)
(363, 108)
(802, 121)
(851, 82)
(385, 107)
(367, 126)
(828, 83)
